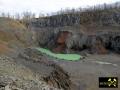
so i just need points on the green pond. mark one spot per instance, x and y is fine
(67, 57)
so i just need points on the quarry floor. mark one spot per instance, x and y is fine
(85, 73)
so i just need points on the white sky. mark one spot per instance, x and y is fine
(45, 6)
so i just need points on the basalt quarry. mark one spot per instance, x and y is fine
(96, 31)
(93, 33)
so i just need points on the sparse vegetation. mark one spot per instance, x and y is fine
(100, 15)
(85, 31)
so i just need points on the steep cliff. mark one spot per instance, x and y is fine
(93, 29)
(95, 17)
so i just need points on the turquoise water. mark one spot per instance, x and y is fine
(67, 57)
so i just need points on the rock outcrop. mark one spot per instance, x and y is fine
(81, 24)
(98, 17)
(61, 40)
(98, 43)
(56, 21)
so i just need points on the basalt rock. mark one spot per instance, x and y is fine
(111, 40)
(99, 43)
(99, 17)
(62, 41)
(46, 38)
(56, 21)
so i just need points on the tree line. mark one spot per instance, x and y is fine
(30, 15)
(104, 14)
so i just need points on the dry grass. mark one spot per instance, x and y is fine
(4, 47)
(10, 24)
(4, 36)
(12, 34)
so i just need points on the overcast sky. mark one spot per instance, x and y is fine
(45, 6)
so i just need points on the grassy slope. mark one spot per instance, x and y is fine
(12, 32)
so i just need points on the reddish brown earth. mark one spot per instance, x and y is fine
(61, 41)
(62, 37)
(59, 48)
(4, 48)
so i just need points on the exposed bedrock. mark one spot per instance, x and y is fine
(46, 38)
(56, 21)
(65, 41)
(98, 18)
(106, 20)
(99, 43)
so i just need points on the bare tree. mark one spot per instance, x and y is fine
(3, 14)
(8, 15)
(41, 15)
(27, 15)
(17, 16)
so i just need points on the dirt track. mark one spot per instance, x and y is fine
(85, 73)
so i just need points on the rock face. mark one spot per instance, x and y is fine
(57, 21)
(99, 43)
(60, 42)
(65, 40)
(46, 38)
(111, 40)
(96, 17)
